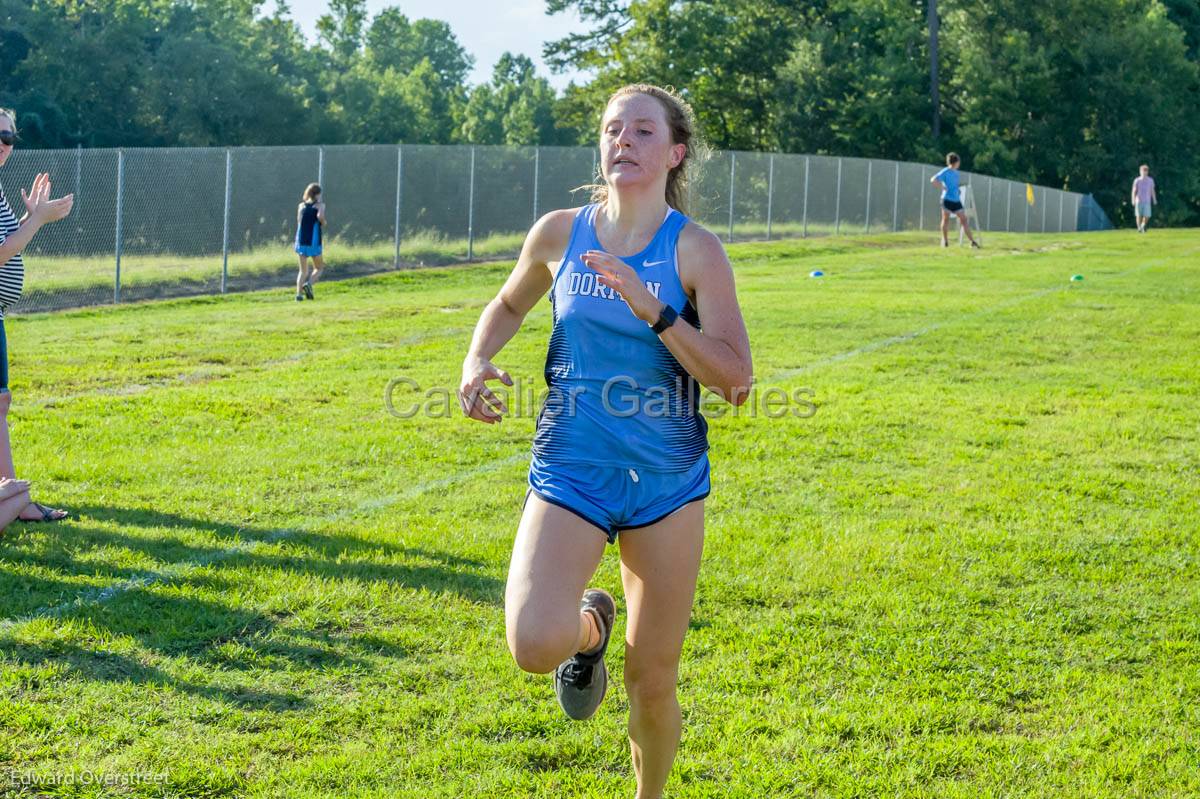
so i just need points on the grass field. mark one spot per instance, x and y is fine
(57, 282)
(972, 573)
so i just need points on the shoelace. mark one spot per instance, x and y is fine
(576, 674)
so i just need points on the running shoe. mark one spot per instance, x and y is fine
(581, 681)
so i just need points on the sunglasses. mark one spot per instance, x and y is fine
(8, 137)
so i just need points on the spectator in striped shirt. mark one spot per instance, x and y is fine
(15, 235)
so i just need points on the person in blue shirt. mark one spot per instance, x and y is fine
(948, 179)
(310, 224)
(620, 453)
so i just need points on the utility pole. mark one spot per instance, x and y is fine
(933, 69)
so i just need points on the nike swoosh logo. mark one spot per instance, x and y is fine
(653, 263)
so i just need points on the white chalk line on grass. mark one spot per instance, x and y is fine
(906, 337)
(202, 375)
(182, 569)
(178, 570)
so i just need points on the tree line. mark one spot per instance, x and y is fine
(1072, 93)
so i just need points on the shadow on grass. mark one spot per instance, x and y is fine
(160, 610)
(31, 661)
(304, 552)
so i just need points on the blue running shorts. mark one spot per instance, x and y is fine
(616, 499)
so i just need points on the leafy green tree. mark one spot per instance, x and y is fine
(844, 76)
(1077, 95)
(393, 80)
(1186, 15)
(1072, 94)
(342, 30)
(516, 107)
(138, 73)
(856, 82)
(721, 54)
(393, 41)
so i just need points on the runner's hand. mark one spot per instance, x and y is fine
(475, 399)
(621, 277)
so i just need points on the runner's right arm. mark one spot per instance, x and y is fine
(526, 285)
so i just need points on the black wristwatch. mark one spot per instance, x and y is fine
(666, 318)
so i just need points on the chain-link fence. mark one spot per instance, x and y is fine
(169, 222)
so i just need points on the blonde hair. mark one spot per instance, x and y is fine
(681, 121)
(12, 117)
(311, 191)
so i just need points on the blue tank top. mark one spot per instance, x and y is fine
(308, 233)
(616, 395)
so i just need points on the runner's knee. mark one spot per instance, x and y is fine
(650, 686)
(537, 643)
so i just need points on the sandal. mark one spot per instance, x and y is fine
(47, 514)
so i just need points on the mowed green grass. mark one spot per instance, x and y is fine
(92, 278)
(972, 573)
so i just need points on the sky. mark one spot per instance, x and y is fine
(485, 28)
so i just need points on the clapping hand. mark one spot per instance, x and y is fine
(28, 198)
(41, 209)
